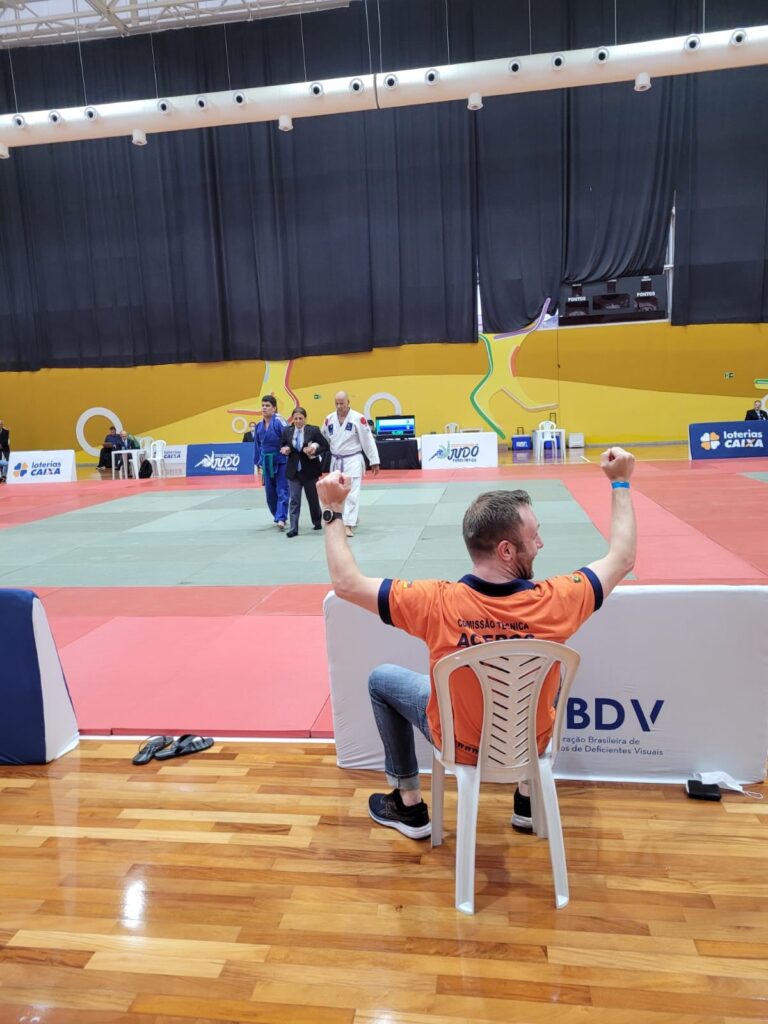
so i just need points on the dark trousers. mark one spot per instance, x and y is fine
(309, 487)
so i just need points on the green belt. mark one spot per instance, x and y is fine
(268, 464)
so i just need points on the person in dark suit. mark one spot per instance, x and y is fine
(127, 442)
(5, 448)
(305, 447)
(757, 412)
(111, 441)
(250, 434)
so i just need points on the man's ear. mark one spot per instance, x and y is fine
(505, 550)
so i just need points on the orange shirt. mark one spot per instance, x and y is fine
(451, 616)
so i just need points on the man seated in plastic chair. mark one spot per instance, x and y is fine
(497, 600)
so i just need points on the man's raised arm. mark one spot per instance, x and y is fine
(348, 582)
(613, 567)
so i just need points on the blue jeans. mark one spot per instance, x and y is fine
(399, 698)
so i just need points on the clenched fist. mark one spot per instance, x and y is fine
(617, 464)
(333, 490)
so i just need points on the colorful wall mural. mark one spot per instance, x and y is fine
(622, 383)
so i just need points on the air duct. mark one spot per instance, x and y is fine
(683, 55)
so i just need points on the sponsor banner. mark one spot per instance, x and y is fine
(220, 459)
(740, 440)
(40, 467)
(175, 460)
(459, 451)
(671, 682)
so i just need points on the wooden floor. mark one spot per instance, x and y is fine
(248, 884)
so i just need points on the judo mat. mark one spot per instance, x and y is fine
(178, 606)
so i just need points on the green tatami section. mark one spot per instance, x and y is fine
(226, 538)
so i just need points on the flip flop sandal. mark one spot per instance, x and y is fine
(186, 744)
(150, 747)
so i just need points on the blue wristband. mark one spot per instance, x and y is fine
(619, 483)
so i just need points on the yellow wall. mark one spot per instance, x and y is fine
(634, 382)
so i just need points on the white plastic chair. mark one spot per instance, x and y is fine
(510, 674)
(546, 431)
(157, 457)
(145, 443)
(451, 428)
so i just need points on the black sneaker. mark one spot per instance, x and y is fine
(521, 819)
(388, 809)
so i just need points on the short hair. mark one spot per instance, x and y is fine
(491, 518)
(269, 398)
(300, 409)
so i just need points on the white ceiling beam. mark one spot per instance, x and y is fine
(636, 62)
(118, 17)
(106, 13)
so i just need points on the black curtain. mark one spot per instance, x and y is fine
(574, 185)
(623, 149)
(366, 230)
(521, 170)
(721, 222)
(243, 242)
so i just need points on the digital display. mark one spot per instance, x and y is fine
(395, 426)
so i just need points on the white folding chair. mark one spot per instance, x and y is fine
(451, 428)
(546, 432)
(157, 457)
(510, 674)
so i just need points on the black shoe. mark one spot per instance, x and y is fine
(292, 533)
(521, 819)
(317, 526)
(389, 810)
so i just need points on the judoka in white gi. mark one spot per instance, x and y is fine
(349, 435)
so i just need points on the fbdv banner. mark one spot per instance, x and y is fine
(220, 459)
(728, 440)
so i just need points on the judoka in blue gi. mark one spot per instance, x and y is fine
(272, 465)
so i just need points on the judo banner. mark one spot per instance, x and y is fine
(459, 451)
(740, 440)
(40, 467)
(220, 459)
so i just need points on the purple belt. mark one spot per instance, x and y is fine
(338, 460)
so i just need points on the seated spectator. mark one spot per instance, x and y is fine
(128, 440)
(111, 441)
(757, 412)
(127, 443)
(501, 532)
(250, 434)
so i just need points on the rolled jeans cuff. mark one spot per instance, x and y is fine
(397, 782)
